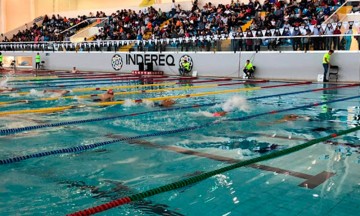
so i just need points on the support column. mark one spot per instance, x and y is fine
(2, 17)
(32, 9)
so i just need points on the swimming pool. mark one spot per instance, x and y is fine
(132, 147)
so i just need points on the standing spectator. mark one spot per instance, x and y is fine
(258, 41)
(348, 38)
(336, 39)
(249, 42)
(357, 37)
(268, 41)
(296, 40)
(317, 40)
(173, 8)
(234, 42)
(241, 41)
(305, 40)
(328, 40)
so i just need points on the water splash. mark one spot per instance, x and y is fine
(129, 103)
(235, 103)
(34, 92)
(3, 81)
(202, 113)
(148, 103)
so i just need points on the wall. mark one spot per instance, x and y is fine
(15, 15)
(270, 65)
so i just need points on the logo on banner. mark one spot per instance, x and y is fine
(188, 59)
(116, 62)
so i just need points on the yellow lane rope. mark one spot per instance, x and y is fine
(181, 96)
(136, 92)
(101, 88)
(117, 93)
(22, 78)
(56, 109)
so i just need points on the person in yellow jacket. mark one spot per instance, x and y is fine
(1, 60)
(185, 69)
(326, 64)
(37, 61)
(248, 69)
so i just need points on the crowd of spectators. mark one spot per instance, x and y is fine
(270, 18)
(51, 29)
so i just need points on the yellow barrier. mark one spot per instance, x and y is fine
(56, 109)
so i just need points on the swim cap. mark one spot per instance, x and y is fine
(219, 114)
(216, 114)
(110, 91)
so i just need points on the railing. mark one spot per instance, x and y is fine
(223, 42)
(87, 32)
(330, 18)
(83, 24)
(215, 43)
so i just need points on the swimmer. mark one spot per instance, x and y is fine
(108, 96)
(219, 114)
(292, 117)
(74, 70)
(57, 91)
(287, 118)
(166, 103)
(4, 89)
(14, 102)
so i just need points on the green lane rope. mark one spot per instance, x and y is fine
(203, 176)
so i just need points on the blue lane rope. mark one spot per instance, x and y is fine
(95, 145)
(58, 124)
(68, 81)
(83, 84)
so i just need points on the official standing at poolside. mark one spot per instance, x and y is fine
(1, 59)
(37, 61)
(326, 64)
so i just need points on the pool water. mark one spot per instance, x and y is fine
(323, 179)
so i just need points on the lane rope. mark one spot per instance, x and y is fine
(133, 92)
(100, 144)
(35, 127)
(101, 88)
(206, 175)
(57, 109)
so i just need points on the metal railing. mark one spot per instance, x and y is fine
(280, 40)
(80, 25)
